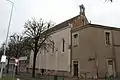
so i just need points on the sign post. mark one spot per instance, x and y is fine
(16, 64)
(3, 60)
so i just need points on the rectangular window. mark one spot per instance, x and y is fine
(63, 45)
(75, 40)
(107, 37)
(110, 62)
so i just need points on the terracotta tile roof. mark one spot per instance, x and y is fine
(62, 25)
(95, 26)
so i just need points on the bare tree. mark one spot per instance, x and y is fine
(37, 33)
(16, 42)
(1, 50)
(15, 47)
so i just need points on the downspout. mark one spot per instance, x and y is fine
(96, 62)
(71, 49)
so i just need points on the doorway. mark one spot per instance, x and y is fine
(75, 68)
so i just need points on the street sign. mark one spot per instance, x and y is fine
(16, 62)
(3, 58)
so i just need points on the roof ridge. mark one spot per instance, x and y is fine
(105, 26)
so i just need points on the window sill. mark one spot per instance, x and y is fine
(75, 46)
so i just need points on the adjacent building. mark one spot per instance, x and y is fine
(95, 51)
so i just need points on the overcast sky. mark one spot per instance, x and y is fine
(97, 11)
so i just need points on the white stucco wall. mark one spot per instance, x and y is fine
(57, 60)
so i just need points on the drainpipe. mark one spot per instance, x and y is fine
(96, 62)
(71, 48)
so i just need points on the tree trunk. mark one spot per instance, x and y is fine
(34, 64)
(8, 65)
(34, 58)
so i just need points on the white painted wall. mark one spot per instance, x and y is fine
(57, 60)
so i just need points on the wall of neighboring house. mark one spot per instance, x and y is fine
(116, 40)
(92, 52)
(57, 59)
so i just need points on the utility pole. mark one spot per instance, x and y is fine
(3, 59)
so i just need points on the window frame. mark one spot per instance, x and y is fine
(78, 62)
(108, 38)
(75, 39)
(109, 64)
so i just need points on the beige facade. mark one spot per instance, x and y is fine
(57, 59)
(96, 48)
